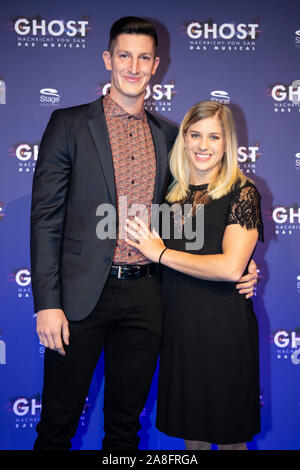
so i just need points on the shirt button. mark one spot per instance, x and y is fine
(132, 157)
(129, 254)
(130, 134)
(132, 181)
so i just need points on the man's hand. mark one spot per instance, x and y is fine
(247, 283)
(52, 328)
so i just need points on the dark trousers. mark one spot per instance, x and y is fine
(126, 322)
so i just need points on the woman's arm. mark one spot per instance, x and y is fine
(238, 245)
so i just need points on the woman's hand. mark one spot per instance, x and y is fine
(246, 285)
(148, 243)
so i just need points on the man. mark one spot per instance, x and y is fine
(92, 293)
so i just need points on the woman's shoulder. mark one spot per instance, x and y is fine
(244, 190)
(244, 207)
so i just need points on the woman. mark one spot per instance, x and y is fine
(209, 375)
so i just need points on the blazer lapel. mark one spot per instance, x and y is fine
(99, 132)
(161, 157)
(98, 128)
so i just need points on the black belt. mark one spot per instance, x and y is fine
(132, 271)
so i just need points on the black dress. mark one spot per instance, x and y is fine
(209, 361)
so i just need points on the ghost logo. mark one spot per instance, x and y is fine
(34, 32)
(207, 35)
(291, 92)
(2, 92)
(288, 344)
(247, 158)
(23, 406)
(196, 30)
(35, 27)
(23, 280)
(25, 152)
(23, 277)
(1, 210)
(27, 411)
(287, 219)
(158, 97)
(27, 155)
(282, 215)
(286, 97)
(160, 92)
(247, 153)
(2, 351)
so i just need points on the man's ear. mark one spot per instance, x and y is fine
(155, 65)
(107, 59)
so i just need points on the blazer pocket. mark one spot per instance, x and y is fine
(72, 246)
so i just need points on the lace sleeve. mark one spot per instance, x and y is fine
(244, 209)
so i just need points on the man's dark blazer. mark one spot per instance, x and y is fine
(74, 174)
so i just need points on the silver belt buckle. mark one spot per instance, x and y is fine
(119, 272)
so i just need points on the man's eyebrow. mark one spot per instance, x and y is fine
(128, 52)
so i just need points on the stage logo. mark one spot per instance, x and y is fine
(2, 92)
(50, 33)
(247, 158)
(297, 38)
(49, 97)
(210, 36)
(286, 220)
(221, 96)
(159, 97)
(297, 161)
(26, 156)
(285, 97)
(287, 345)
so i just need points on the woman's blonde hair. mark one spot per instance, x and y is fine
(228, 174)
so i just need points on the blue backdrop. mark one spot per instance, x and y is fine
(245, 54)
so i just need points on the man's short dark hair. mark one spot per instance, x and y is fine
(131, 25)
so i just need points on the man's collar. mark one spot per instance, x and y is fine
(96, 108)
(116, 110)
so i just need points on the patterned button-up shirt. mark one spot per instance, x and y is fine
(135, 169)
